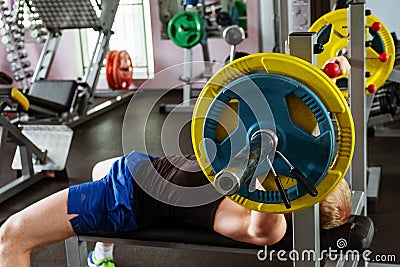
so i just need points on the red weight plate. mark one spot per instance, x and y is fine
(123, 70)
(110, 69)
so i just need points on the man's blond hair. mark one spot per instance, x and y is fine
(335, 209)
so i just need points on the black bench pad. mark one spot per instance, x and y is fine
(358, 232)
(56, 95)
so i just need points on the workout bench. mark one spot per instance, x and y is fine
(358, 232)
(39, 147)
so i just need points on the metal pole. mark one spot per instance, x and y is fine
(306, 235)
(109, 9)
(187, 76)
(356, 21)
(284, 24)
(46, 57)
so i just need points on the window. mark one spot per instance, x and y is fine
(132, 32)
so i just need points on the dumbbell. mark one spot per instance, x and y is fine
(19, 76)
(11, 57)
(8, 17)
(223, 18)
(19, 16)
(33, 16)
(8, 39)
(4, 31)
(233, 35)
(5, 17)
(17, 27)
(11, 47)
(13, 31)
(35, 24)
(38, 33)
(41, 37)
(3, 7)
(16, 66)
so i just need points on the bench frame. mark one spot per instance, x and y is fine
(77, 253)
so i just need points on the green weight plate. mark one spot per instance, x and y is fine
(186, 29)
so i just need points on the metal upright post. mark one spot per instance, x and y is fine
(269, 25)
(76, 252)
(187, 76)
(306, 235)
(283, 25)
(3, 141)
(47, 56)
(109, 9)
(356, 27)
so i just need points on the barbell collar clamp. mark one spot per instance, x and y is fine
(298, 176)
(279, 185)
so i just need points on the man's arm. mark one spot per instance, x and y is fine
(241, 224)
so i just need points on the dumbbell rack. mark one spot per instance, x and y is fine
(12, 32)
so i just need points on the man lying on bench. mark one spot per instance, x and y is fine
(334, 210)
(117, 204)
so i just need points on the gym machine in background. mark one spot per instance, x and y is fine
(70, 17)
(42, 135)
(193, 23)
(39, 147)
(48, 20)
(385, 108)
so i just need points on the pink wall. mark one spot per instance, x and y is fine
(67, 65)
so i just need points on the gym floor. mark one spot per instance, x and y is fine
(101, 138)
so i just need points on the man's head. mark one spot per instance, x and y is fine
(335, 209)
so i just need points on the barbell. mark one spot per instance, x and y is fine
(303, 153)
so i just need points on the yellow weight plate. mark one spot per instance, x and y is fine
(338, 40)
(301, 114)
(316, 81)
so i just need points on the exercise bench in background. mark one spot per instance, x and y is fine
(39, 147)
(58, 15)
